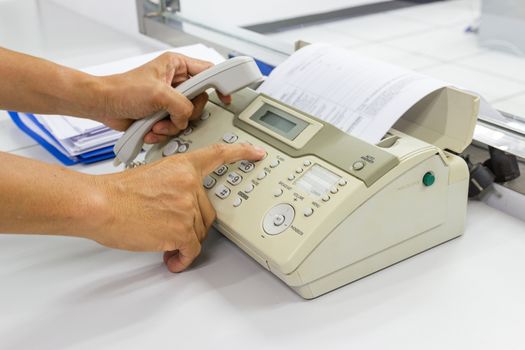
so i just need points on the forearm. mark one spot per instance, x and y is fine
(40, 198)
(31, 84)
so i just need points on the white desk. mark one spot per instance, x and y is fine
(65, 293)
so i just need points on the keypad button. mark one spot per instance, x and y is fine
(278, 220)
(249, 188)
(183, 148)
(205, 115)
(307, 163)
(170, 148)
(291, 177)
(237, 201)
(246, 166)
(342, 182)
(209, 182)
(230, 137)
(188, 131)
(277, 192)
(299, 170)
(262, 175)
(221, 170)
(222, 192)
(308, 212)
(334, 190)
(234, 178)
(325, 198)
(274, 163)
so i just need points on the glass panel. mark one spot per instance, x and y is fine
(472, 44)
(452, 40)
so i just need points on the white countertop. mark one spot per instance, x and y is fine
(66, 293)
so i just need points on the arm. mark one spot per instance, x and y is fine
(31, 84)
(157, 207)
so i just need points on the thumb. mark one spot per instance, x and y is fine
(178, 106)
(179, 260)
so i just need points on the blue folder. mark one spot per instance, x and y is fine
(39, 133)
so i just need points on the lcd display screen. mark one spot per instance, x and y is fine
(279, 122)
(317, 181)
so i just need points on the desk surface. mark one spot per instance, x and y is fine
(65, 293)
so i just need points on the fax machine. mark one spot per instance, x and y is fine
(324, 208)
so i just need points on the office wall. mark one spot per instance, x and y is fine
(118, 14)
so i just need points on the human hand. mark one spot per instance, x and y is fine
(148, 89)
(162, 206)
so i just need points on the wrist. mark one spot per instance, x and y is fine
(95, 101)
(94, 214)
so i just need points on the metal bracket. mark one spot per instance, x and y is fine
(169, 5)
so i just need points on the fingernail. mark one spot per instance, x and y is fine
(163, 131)
(151, 139)
(259, 149)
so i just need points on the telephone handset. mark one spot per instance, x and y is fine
(226, 77)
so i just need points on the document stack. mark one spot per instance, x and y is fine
(71, 140)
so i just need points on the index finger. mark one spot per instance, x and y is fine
(209, 158)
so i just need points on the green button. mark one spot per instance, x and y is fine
(429, 179)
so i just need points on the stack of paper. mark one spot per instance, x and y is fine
(356, 94)
(77, 140)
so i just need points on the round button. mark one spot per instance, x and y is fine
(170, 148)
(299, 170)
(291, 177)
(342, 182)
(261, 175)
(272, 219)
(188, 131)
(307, 163)
(358, 165)
(278, 192)
(429, 179)
(183, 148)
(249, 188)
(308, 212)
(278, 220)
(325, 198)
(274, 163)
(334, 190)
(205, 115)
(237, 201)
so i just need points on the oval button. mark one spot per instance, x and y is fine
(170, 148)
(308, 212)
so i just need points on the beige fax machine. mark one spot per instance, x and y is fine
(324, 208)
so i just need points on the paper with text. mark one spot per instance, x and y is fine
(358, 95)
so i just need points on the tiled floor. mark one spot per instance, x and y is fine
(431, 39)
